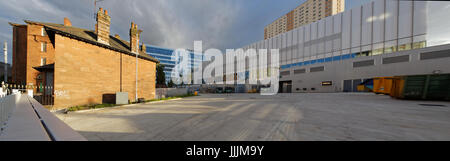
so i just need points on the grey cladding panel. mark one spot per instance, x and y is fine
(363, 63)
(317, 69)
(299, 71)
(435, 55)
(285, 73)
(396, 59)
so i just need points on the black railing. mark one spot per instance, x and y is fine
(45, 99)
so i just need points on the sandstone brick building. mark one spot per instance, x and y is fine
(81, 65)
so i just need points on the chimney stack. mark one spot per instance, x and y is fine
(143, 48)
(134, 38)
(102, 26)
(67, 22)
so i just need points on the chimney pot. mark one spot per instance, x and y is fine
(106, 12)
(143, 48)
(67, 22)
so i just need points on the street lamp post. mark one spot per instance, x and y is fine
(5, 50)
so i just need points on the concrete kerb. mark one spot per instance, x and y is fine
(162, 101)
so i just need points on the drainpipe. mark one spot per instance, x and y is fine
(137, 44)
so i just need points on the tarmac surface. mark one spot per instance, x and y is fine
(253, 117)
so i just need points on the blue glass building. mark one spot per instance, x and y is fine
(168, 58)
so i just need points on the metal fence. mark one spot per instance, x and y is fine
(43, 94)
(170, 92)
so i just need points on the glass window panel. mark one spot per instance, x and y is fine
(377, 49)
(43, 46)
(404, 47)
(390, 47)
(418, 45)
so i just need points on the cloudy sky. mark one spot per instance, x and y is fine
(219, 24)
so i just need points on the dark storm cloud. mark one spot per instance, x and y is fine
(168, 23)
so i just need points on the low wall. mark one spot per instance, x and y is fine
(170, 92)
(28, 120)
(7, 105)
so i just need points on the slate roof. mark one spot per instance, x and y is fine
(89, 36)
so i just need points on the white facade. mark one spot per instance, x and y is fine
(378, 27)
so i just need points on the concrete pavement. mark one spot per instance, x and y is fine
(313, 116)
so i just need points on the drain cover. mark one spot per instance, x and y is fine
(432, 105)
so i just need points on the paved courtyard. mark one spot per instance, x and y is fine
(252, 117)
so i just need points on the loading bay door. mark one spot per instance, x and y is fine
(351, 85)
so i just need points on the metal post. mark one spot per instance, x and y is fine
(5, 50)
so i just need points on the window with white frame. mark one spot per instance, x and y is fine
(43, 33)
(43, 61)
(43, 46)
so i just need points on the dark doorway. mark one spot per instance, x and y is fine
(347, 85)
(356, 82)
(45, 84)
(285, 87)
(48, 83)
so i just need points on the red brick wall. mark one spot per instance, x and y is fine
(27, 53)
(84, 72)
(19, 57)
(34, 52)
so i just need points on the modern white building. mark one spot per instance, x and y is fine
(380, 38)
